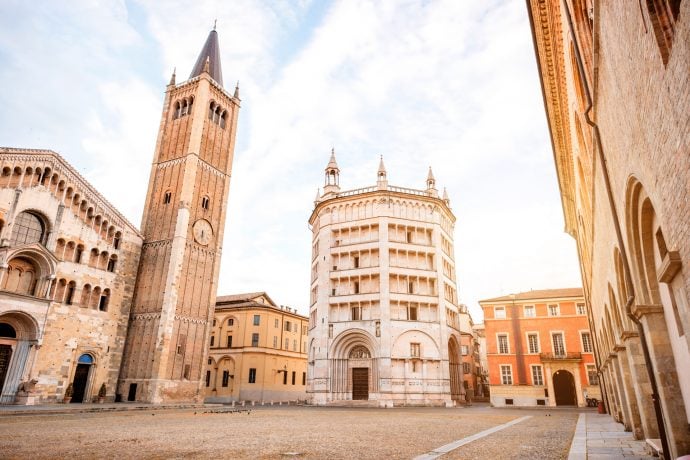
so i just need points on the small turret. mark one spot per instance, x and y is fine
(381, 180)
(332, 180)
(317, 200)
(431, 184)
(445, 197)
(237, 90)
(172, 77)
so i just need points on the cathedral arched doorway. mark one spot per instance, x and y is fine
(455, 369)
(359, 358)
(82, 376)
(18, 333)
(564, 388)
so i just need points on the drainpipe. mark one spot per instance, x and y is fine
(626, 266)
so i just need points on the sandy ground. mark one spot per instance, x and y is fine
(286, 432)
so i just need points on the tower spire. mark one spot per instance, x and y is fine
(209, 56)
(332, 179)
(381, 180)
(431, 184)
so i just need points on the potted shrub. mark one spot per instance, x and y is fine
(68, 394)
(101, 394)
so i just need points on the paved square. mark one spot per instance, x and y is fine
(288, 432)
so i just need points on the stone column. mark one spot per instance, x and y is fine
(631, 400)
(663, 362)
(642, 386)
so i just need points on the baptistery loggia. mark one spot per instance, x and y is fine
(384, 320)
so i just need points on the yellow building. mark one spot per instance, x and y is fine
(257, 351)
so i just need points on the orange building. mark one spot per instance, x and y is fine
(539, 349)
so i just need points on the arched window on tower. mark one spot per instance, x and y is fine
(166, 197)
(103, 302)
(183, 112)
(78, 252)
(176, 110)
(205, 202)
(116, 240)
(111, 263)
(69, 296)
(28, 228)
(223, 116)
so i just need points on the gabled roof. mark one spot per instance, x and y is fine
(72, 177)
(248, 297)
(211, 53)
(538, 294)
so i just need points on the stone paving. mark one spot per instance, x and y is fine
(599, 437)
(139, 431)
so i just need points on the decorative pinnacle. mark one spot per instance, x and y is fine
(382, 168)
(237, 90)
(430, 176)
(332, 164)
(445, 195)
(214, 23)
(172, 78)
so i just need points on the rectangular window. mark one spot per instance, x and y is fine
(533, 343)
(356, 313)
(503, 344)
(412, 315)
(294, 345)
(255, 340)
(229, 341)
(554, 310)
(284, 377)
(415, 350)
(506, 375)
(276, 323)
(213, 339)
(231, 322)
(529, 311)
(558, 344)
(499, 312)
(356, 287)
(592, 375)
(464, 349)
(226, 378)
(586, 342)
(581, 309)
(252, 375)
(208, 378)
(304, 378)
(356, 262)
(187, 370)
(537, 376)
(275, 341)
(466, 368)
(294, 375)
(410, 287)
(287, 326)
(257, 320)
(287, 344)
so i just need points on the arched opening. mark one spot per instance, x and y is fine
(360, 375)
(564, 388)
(455, 369)
(28, 228)
(81, 377)
(18, 331)
(22, 276)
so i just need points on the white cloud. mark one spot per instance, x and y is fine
(446, 83)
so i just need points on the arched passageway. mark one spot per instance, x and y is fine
(564, 388)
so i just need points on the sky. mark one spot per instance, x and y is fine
(448, 84)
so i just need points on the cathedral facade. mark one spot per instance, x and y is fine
(384, 322)
(90, 306)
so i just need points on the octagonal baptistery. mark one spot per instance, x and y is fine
(384, 319)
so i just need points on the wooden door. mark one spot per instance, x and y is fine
(5, 356)
(360, 383)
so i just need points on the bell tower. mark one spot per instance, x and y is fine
(182, 225)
